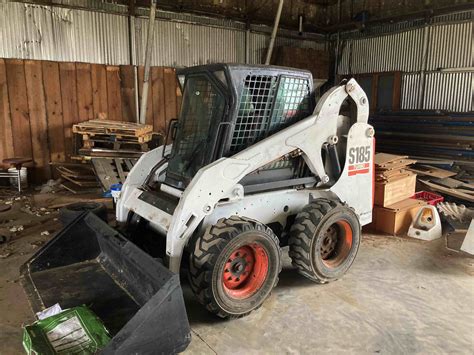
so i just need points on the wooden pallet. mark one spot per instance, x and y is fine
(123, 129)
(116, 138)
(112, 171)
(115, 145)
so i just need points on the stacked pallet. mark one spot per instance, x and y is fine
(112, 148)
(394, 186)
(103, 138)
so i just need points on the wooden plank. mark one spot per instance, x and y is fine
(451, 192)
(120, 172)
(382, 159)
(114, 97)
(127, 85)
(38, 120)
(67, 74)
(99, 91)
(54, 110)
(149, 108)
(6, 133)
(427, 170)
(85, 103)
(19, 108)
(158, 91)
(453, 183)
(106, 172)
(170, 94)
(128, 163)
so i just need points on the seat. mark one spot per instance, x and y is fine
(17, 163)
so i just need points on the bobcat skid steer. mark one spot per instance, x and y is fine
(255, 165)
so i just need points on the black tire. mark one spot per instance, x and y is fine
(215, 254)
(70, 212)
(324, 240)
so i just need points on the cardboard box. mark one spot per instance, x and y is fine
(396, 219)
(388, 193)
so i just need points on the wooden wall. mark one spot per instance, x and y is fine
(41, 100)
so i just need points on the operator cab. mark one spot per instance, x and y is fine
(229, 107)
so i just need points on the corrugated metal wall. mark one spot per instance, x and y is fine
(67, 34)
(437, 60)
(180, 43)
(52, 33)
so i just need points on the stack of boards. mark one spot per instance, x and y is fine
(395, 186)
(389, 167)
(393, 181)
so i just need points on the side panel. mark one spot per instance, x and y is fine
(355, 186)
(267, 207)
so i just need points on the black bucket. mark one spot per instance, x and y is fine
(139, 300)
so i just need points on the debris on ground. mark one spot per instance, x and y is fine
(52, 186)
(6, 207)
(5, 254)
(15, 229)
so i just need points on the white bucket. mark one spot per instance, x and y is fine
(23, 177)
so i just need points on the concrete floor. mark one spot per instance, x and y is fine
(400, 296)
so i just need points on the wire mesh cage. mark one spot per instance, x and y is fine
(267, 104)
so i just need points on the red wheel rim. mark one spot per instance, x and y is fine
(245, 271)
(336, 244)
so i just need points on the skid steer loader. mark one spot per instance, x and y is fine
(255, 165)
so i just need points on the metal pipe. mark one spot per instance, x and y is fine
(424, 63)
(133, 62)
(274, 32)
(300, 25)
(148, 51)
(247, 45)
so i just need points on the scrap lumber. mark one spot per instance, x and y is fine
(462, 195)
(428, 170)
(390, 167)
(77, 178)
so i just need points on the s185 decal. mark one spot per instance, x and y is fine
(359, 159)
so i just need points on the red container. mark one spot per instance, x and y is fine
(429, 197)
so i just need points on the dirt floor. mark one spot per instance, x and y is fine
(400, 296)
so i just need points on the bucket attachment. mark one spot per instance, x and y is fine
(139, 300)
